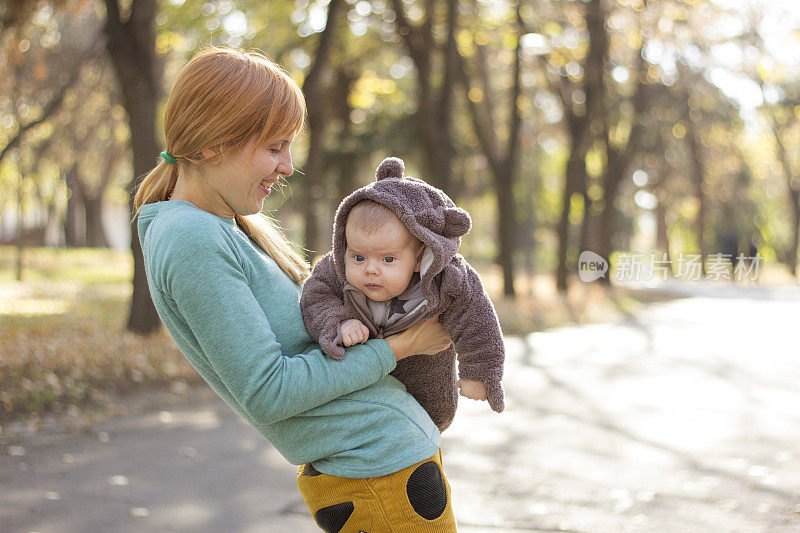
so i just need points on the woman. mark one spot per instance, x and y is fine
(226, 283)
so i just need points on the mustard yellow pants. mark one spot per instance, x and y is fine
(415, 499)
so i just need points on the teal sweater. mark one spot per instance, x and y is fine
(236, 317)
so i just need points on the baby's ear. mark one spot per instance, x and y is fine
(419, 258)
(426, 261)
(456, 222)
(391, 167)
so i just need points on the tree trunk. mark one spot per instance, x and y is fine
(440, 134)
(795, 244)
(698, 171)
(794, 196)
(588, 235)
(347, 155)
(91, 231)
(94, 200)
(613, 176)
(95, 230)
(575, 178)
(505, 232)
(502, 162)
(527, 228)
(434, 107)
(316, 100)
(662, 237)
(20, 227)
(618, 160)
(131, 46)
(597, 109)
(73, 212)
(574, 175)
(582, 127)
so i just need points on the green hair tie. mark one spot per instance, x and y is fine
(168, 158)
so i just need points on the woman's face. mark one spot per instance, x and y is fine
(242, 181)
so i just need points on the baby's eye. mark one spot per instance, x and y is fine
(388, 259)
(358, 258)
(275, 151)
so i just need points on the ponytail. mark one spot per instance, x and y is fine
(156, 186)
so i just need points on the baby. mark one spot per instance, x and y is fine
(394, 263)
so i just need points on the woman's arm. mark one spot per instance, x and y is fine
(212, 297)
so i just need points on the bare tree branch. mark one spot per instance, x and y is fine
(52, 106)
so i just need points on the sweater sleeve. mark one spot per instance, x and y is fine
(211, 293)
(470, 320)
(323, 307)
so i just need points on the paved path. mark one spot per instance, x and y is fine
(684, 418)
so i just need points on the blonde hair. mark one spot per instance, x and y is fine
(222, 99)
(370, 217)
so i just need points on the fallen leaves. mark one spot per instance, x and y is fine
(63, 343)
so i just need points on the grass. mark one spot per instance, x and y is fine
(64, 351)
(63, 346)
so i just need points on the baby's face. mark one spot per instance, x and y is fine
(380, 264)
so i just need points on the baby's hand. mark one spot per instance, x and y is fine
(474, 390)
(354, 332)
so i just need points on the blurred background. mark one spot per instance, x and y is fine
(668, 129)
(657, 133)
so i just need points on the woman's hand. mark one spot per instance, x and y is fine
(426, 337)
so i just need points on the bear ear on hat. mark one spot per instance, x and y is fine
(457, 222)
(391, 167)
